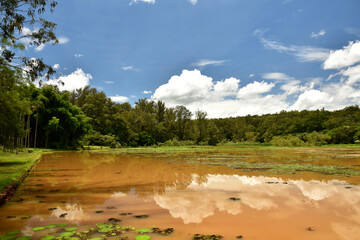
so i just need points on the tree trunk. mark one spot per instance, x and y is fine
(36, 124)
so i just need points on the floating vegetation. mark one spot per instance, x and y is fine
(70, 229)
(114, 220)
(47, 237)
(144, 230)
(239, 237)
(52, 209)
(142, 237)
(234, 199)
(99, 211)
(164, 232)
(125, 214)
(24, 238)
(100, 231)
(11, 217)
(142, 216)
(206, 237)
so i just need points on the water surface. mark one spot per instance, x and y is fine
(192, 194)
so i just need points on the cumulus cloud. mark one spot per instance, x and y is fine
(119, 99)
(220, 98)
(147, 92)
(56, 66)
(319, 34)
(76, 80)
(254, 89)
(302, 53)
(206, 62)
(345, 57)
(312, 100)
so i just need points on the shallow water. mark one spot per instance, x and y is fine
(191, 198)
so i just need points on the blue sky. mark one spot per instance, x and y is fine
(227, 57)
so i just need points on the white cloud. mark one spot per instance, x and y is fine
(128, 68)
(147, 92)
(56, 66)
(206, 62)
(196, 91)
(27, 40)
(252, 75)
(193, 2)
(312, 100)
(319, 34)
(190, 86)
(345, 57)
(109, 82)
(119, 99)
(73, 81)
(302, 53)
(253, 89)
(277, 76)
(78, 55)
(63, 40)
(352, 73)
(145, 1)
(227, 88)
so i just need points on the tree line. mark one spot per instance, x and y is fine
(46, 117)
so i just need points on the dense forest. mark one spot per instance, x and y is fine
(33, 116)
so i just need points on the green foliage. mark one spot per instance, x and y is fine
(287, 141)
(15, 16)
(97, 139)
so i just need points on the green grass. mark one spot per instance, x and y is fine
(12, 165)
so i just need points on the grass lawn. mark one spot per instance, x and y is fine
(13, 165)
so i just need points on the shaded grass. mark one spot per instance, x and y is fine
(12, 165)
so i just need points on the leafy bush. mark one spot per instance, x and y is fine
(97, 139)
(287, 141)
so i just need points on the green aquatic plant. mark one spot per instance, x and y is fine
(13, 232)
(62, 225)
(70, 229)
(144, 230)
(47, 237)
(7, 237)
(142, 237)
(67, 234)
(38, 228)
(206, 237)
(24, 238)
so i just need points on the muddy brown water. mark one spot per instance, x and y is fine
(191, 198)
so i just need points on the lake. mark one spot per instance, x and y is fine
(231, 194)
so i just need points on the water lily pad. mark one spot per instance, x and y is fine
(67, 234)
(7, 237)
(144, 230)
(51, 226)
(47, 237)
(38, 228)
(62, 225)
(105, 230)
(142, 237)
(70, 229)
(24, 238)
